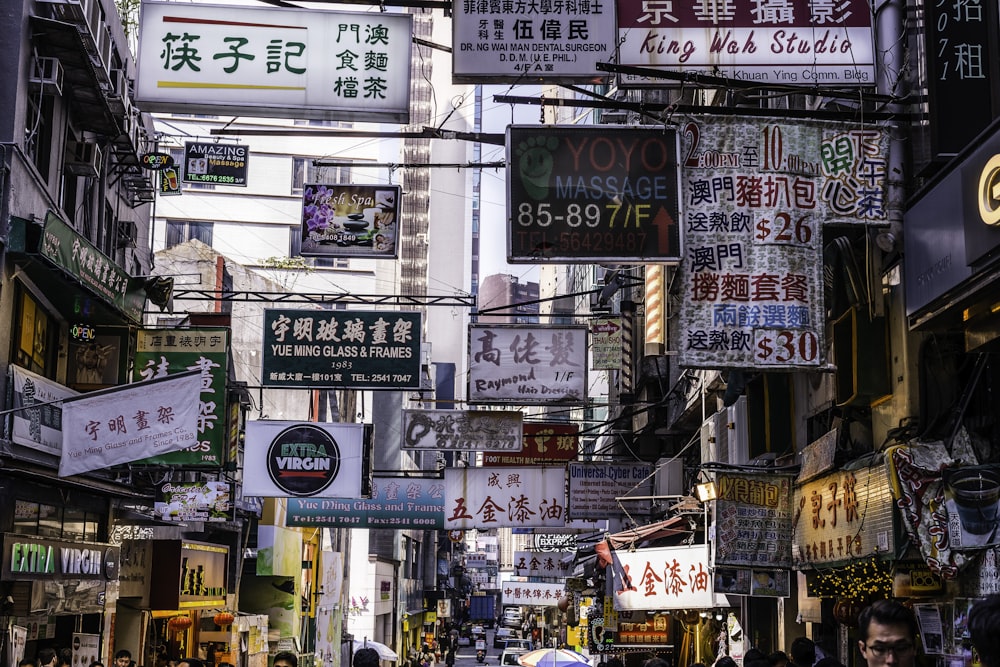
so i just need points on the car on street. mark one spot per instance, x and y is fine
(509, 657)
(512, 617)
(501, 636)
(518, 644)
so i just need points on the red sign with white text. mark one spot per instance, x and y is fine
(542, 443)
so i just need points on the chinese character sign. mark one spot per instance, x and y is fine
(396, 502)
(462, 430)
(542, 442)
(843, 517)
(129, 423)
(663, 578)
(756, 196)
(527, 365)
(544, 563)
(531, 594)
(263, 61)
(163, 352)
(498, 497)
(554, 42)
(793, 42)
(753, 520)
(357, 349)
(36, 421)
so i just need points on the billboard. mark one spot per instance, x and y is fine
(597, 490)
(496, 497)
(350, 220)
(461, 430)
(662, 578)
(595, 193)
(753, 520)
(270, 62)
(397, 503)
(757, 195)
(798, 42)
(500, 42)
(343, 349)
(287, 459)
(527, 365)
(542, 442)
(216, 163)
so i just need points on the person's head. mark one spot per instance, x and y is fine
(46, 657)
(286, 659)
(984, 630)
(887, 633)
(803, 651)
(778, 659)
(753, 654)
(190, 662)
(123, 658)
(27, 662)
(66, 656)
(725, 661)
(97, 663)
(367, 657)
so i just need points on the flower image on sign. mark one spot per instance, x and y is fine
(350, 220)
(270, 62)
(756, 196)
(527, 365)
(794, 42)
(356, 349)
(462, 430)
(193, 501)
(662, 578)
(495, 497)
(129, 423)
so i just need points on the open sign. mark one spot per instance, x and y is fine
(156, 161)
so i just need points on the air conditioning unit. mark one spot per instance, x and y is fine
(46, 75)
(69, 11)
(83, 158)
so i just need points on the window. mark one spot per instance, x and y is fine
(36, 331)
(314, 122)
(38, 132)
(304, 172)
(178, 155)
(32, 518)
(179, 231)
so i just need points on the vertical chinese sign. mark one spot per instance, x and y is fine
(270, 62)
(756, 195)
(498, 497)
(162, 352)
(753, 520)
(662, 578)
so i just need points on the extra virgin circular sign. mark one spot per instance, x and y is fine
(303, 460)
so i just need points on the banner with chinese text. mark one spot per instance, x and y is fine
(163, 352)
(270, 62)
(531, 594)
(512, 497)
(462, 430)
(756, 196)
(527, 365)
(343, 349)
(542, 442)
(544, 563)
(662, 578)
(753, 520)
(396, 502)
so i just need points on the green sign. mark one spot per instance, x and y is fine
(346, 348)
(64, 247)
(162, 352)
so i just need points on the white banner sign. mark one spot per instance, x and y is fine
(131, 422)
(36, 424)
(496, 497)
(527, 365)
(264, 61)
(462, 430)
(662, 578)
(292, 459)
(543, 563)
(504, 42)
(531, 594)
(595, 487)
(758, 193)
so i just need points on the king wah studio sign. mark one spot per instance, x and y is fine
(28, 558)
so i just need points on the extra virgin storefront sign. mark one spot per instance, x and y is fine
(342, 349)
(527, 365)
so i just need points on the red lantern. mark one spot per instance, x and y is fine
(223, 618)
(179, 623)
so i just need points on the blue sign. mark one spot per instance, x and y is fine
(396, 502)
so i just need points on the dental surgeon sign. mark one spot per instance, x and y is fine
(585, 194)
(303, 459)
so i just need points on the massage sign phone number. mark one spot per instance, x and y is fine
(579, 194)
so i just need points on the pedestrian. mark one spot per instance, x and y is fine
(47, 657)
(27, 662)
(365, 657)
(887, 634)
(984, 630)
(97, 663)
(190, 662)
(65, 657)
(449, 658)
(123, 657)
(725, 661)
(803, 652)
(286, 659)
(778, 659)
(426, 657)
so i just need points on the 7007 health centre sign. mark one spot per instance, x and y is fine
(343, 349)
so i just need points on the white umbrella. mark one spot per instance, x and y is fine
(384, 652)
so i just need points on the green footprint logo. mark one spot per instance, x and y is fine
(534, 162)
